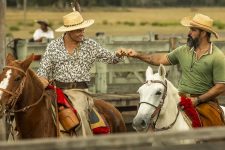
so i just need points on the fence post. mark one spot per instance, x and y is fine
(2, 58)
(173, 43)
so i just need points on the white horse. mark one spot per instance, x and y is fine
(158, 109)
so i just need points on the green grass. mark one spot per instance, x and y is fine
(113, 21)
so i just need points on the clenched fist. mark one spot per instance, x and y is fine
(131, 53)
(121, 52)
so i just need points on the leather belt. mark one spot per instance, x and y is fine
(71, 85)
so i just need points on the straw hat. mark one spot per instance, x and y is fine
(42, 22)
(74, 21)
(200, 21)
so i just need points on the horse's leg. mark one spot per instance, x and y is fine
(112, 116)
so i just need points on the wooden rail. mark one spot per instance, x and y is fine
(209, 139)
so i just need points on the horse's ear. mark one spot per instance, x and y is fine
(162, 71)
(26, 63)
(9, 58)
(148, 73)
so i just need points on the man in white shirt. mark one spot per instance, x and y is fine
(44, 32)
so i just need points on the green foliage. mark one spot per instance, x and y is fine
(105, 22)
(118, 22)
(14, 28)
(28, 24)
(144, 23)
(165, 24)
(122, 3)
(31, 32)
(129, 23)
(220, 25)
(8, 34)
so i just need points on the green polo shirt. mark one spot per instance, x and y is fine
(198, 76)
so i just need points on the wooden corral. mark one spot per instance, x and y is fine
(118, 83)
(207, 139)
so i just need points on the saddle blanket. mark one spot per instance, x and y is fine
(203, 115)
(186, 105)
(98, 123)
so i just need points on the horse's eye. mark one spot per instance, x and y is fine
(158, 93)
(18, 78)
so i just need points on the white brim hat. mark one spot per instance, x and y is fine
(74, 21)
(200, 21)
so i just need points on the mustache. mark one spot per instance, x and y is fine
(191, 42)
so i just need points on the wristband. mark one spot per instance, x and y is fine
(198, 100)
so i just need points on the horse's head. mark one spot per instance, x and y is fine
(152, 96)
(12, 81)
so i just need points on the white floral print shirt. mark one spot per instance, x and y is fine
(58, 64)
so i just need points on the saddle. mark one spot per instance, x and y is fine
(70, 118)
(210, 114)
(204, 115)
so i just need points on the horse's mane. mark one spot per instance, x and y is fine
(35, 77)
(174, 90)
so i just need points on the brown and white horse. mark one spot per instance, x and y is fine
(22, 93)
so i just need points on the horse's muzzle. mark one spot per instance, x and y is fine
(139, 124)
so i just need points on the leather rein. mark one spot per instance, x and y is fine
(158, 108)
(15, 95)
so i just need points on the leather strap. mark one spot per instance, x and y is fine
(71, 85)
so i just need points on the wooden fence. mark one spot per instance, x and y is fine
(118, 84)
(208, 139)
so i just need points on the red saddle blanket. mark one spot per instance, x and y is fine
(61, 98)
(186, 105)
(203, 115)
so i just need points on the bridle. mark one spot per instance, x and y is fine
(15, 95)
(158, 108)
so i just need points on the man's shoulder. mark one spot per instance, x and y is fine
(56, 42)
(90, 41)
(217, 51)
(182, 48)
(38, 30)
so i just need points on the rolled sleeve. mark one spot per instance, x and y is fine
(104, 55)
(173, 57)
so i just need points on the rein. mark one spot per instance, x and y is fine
(158, 109)
(14, 98)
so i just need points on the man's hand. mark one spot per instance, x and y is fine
(44, 81)
(194, 101)
(131, 53)
(121, 52)
(126, 52)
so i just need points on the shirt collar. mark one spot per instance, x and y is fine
(209, 51)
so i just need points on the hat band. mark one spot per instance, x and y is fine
(73, 24)
(202, 24)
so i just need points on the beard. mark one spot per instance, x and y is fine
(192, 42)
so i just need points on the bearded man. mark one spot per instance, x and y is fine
(202, 65)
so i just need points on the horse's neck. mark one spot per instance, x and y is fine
(171, 110)
(32, 88)
(37, 121)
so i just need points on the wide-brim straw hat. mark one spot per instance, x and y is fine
(74, 21)
(200, 21)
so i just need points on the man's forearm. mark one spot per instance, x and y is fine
(212, 93)
(153, 59)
